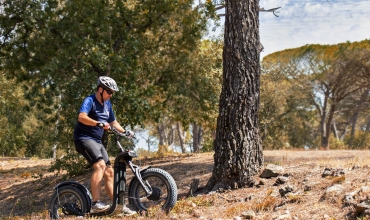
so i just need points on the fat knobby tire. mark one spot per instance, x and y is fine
(156, 173)
(63, 190)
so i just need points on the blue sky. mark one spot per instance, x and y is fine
(302, 22)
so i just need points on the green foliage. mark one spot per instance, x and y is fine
(207, 145)
(336, 143)
(25, 133)
(360, 140)
(285, 118)
(53, 51)
(73, 163)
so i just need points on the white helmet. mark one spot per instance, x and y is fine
(107, 83)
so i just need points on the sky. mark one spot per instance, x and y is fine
(302, 22)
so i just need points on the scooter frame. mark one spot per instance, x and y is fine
(123, 159)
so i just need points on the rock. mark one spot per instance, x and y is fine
(332, 172)
(366, 213)
(193, 187)
(286, 216)
(272, 170)
(196, 213)
(349, 199)
(307, 188)
(285, 190)
(258, 182)
(336, 189)
(365, 189)
(332, 193)
(281, 180)
(248, 214)
(361, 207)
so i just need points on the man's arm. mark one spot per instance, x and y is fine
(86, 120)
(117, 126)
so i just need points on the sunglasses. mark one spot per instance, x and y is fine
(110, 92)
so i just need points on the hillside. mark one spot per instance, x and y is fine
(26, 187)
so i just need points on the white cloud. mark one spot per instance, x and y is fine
(302, 22)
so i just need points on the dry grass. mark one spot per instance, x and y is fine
(23, 197)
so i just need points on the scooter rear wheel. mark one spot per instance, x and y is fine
(66, 201)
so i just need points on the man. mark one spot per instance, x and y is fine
(95, 116)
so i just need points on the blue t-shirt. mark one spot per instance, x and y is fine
(102, 113)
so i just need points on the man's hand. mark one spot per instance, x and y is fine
(129, 134)
(103, 125)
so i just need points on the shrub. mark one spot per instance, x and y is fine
(359, 141)
(73, 163)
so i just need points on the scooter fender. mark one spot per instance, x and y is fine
(79, 186)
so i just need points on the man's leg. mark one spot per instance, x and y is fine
(108, 181)
(96, 179)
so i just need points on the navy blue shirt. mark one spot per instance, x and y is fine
(102, 113)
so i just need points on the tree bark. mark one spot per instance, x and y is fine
(162, 143)
(335, 130)
(328, 125)
(368, 126)
(238, 147)
(358, 108)
(197, 137)
(324, 115)
(181, 137)
(344, 132)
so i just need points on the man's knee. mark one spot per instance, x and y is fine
(99, 166)
(109, 171)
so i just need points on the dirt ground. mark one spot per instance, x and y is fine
(26, 187)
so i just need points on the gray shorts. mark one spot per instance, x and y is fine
(92, 151)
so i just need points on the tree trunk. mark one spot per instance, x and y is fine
(344, 132)
(363, 97)
(328, 125)
(171, 138)
(54, 148)
(324, 137)
(197, 137)
(368, 126)
(200, 136)
(181, 137)
(238, 147)
(162, 146)
(161, 133)
(335, 130)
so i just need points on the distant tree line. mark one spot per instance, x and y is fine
(317, 96)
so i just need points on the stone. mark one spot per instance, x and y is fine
(272, 170)
(249, 214)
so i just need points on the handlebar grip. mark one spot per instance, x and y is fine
(100, 124)
(116, 132)
(127, 133)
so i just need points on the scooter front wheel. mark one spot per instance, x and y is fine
(67, 200)
(164, 191)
